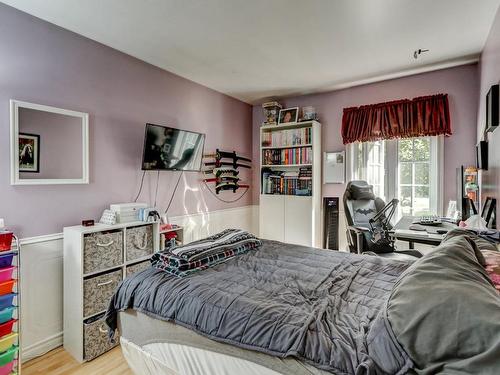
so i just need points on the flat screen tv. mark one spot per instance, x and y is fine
(170, 149)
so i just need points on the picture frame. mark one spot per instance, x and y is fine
(29, 152)
(288, 115)
(334, 167)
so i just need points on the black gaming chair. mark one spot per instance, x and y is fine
(368, 230)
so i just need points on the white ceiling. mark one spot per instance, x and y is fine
(254, 49)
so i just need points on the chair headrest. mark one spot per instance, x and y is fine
(359, 190)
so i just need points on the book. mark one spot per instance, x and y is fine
(288, 137)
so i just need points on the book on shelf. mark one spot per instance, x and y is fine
(288, 156)
(287, 182)
(289, 137)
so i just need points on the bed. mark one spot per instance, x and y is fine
(287, 309)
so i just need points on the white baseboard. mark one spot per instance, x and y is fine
(42, 347)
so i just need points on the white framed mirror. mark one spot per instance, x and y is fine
(48, 145)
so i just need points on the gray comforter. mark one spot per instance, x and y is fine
(285, 300)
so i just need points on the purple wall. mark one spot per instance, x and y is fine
(460, 83)
(60, 143)
(44, 64)
(489, 67)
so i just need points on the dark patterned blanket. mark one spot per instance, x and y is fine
(202, 254)
(228, 239)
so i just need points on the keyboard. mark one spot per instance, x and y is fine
(428, 220)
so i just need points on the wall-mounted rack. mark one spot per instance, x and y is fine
(223, 171)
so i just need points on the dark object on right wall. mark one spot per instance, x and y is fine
(489, 212)
(492, 109)
(482, 155)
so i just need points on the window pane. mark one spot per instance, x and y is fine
(359, 148)
(405, 150)
(421, 174)
(421, 192)
(405, 200)
(405, 173)
(422, 149)
(375, 166)
(421, 202)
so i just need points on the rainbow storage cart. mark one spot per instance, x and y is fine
(10, 361)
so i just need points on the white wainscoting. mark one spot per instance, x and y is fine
(204, 224)
(41, 294)
(42, 275)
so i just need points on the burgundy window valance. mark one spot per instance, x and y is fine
(422, 116)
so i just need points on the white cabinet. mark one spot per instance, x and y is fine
(298, 220)
(286, 218)
(272, 209)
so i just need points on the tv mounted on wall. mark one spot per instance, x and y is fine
(170, 149)
(492, 109)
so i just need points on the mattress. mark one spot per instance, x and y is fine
(178, 350)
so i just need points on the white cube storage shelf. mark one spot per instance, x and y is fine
(96, 259)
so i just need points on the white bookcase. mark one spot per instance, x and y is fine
(286, 214)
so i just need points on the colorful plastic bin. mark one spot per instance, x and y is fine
(7, 369)
(6, 260)
(7, 341)
(6, 314)
(6, 274)
(6, 300)
(5, 241)
(8, 356)
(6, 328)
(6, 287)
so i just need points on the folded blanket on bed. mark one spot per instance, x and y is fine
(217, 243)
(202, 254)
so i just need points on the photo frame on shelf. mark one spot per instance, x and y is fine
(334, 167)
(288, 115)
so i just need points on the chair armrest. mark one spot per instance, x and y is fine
(358, 231)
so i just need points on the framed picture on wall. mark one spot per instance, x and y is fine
(288, 115)
(29, 153)
(334, 167)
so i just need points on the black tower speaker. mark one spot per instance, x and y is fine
(331, 223)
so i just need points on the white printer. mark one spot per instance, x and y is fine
(127, 212)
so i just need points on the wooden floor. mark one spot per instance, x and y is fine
(60, 362)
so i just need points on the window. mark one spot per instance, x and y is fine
(407, 169)
(371, 165)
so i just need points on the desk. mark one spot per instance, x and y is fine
(402, 232)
